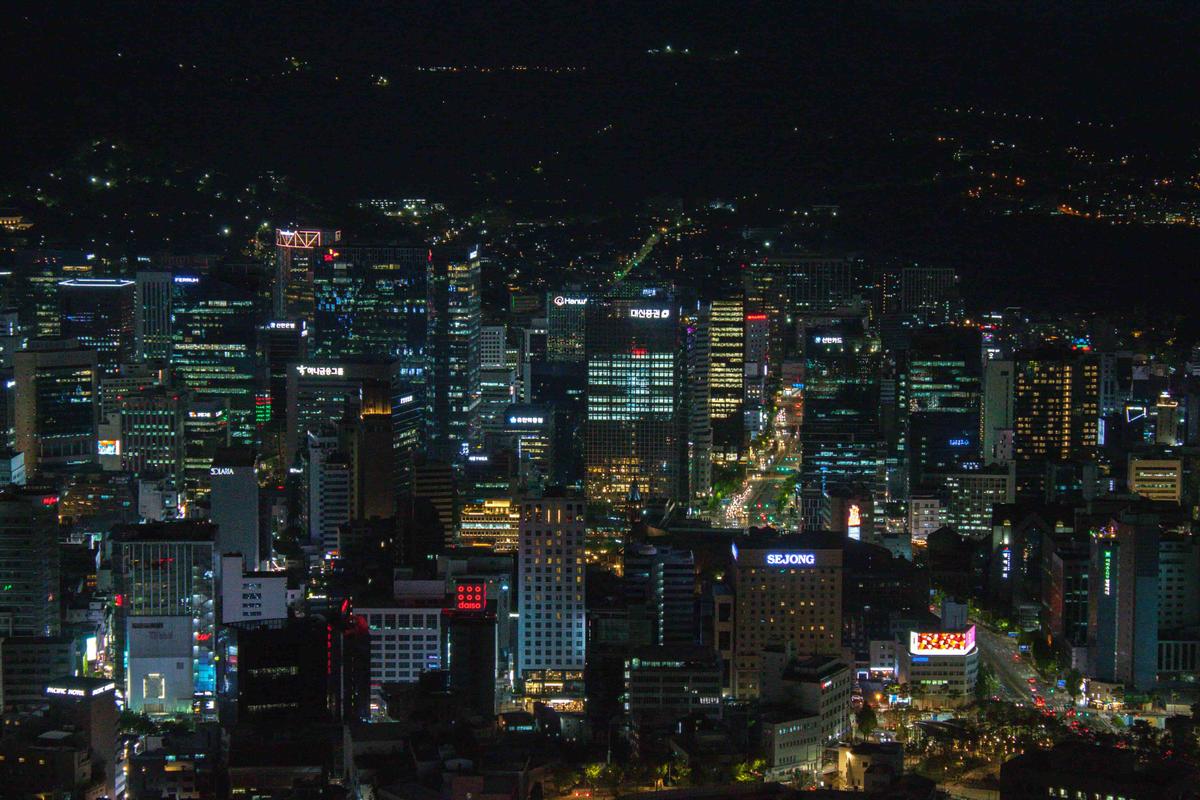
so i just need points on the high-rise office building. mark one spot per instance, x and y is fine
(633, 431)
(929, 293)
(789, 593)
(565, 319)
(1056, 415)
(698, 343)
(529, 432)
(840, 434)
(29, 565)
(967, 497)
(942, 393)
(726, 373)
(996, 420)
(205, 433)
(493, 341)
(99, 313)
(453, 357)
(166, 615)
(322, 394)
(490, 522)
(1123, 580)
(330, 491)
(1178, 581)
(660, 593)
(152, 315)
(550, 575)
(214, 338)
(233, 500)
(297, 251)
(56, 409)
(370, 303)
(756, 360)
(152, 433)
(1156, 478)
(797, 286)
(280, 342)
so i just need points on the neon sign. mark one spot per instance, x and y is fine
(108, 447)
(563, 300)
(221, 471)
(827, 339)
(960, 442)
(649, 313)
(320, 372)
(791, 559)
(470, 596)
(526, 420)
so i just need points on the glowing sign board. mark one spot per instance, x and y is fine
(791, 559)
(650, 313)
(220, 471)
(942, 643)
(109, 447)
(470, 596)
(320, 372)
(563, 300)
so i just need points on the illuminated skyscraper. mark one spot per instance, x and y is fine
(997, 416)
(565, 317)
(99, 313)
(29, 565)
(1056, 415)
(166, 615)
(1123, 583)
(152, 437)
(213, 349)
(941, 393)
(56, 404)
(840, 435)
(296, 254)
(550, 574)
(152, 316)
(789, 593)
(453, 357)
(929, 293)
(369, 302)
(726, 377)
(633, 432)
(697, 328)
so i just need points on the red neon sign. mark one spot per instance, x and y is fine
(755, 317)
(470, 596)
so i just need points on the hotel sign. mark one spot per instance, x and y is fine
(791, 559)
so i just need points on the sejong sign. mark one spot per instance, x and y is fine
(791, 559)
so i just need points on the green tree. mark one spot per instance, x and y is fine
(985, 682)
(133, 722)
(749, 771)
(867, 721)
(592, 773)
(1074, 682)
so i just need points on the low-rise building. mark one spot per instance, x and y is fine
(940, 667)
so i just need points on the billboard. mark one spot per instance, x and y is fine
(942, 643)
